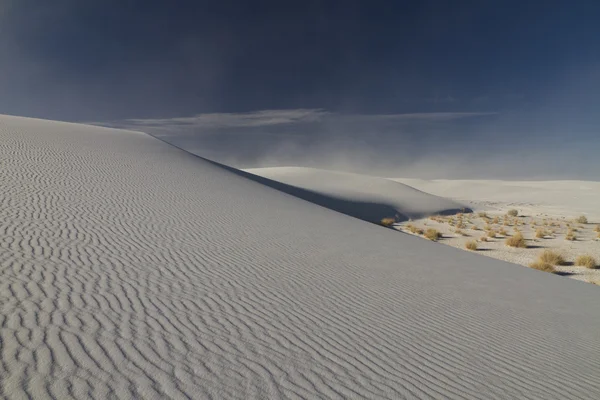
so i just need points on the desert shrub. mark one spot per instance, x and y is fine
(542, 266)
(517, 240)
(513, 213)
(582, 219)
(597, 228)
(491, 233)
(586, 260)
(432, 234)
(503, 232)
(540, 233)
(414, 229)
(496, 220)
(483, 238)
(551, 257)
(471, 245)
(387, 222)
(482, 214)
(571, 235)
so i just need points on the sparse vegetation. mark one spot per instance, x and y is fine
(483, 238)
(496, 220)
(433, 234)
(482, 215)
(542, 266)
(503, 232)
(582, 219)
(414, 229)
(551, 257)
(540, 233)
(597, 228)
(471, 245)
(571, 235)
(513, 213)
(491, 233)
(517, 240)
(387, 222)
(586, 260)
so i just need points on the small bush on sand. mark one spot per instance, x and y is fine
(483, 238)
(503, 232)
(491, 233)
(471, 245)
(432, 234)
(582, 219)
(551, 257)
(414, 229)
(597, 228)
(482, 215)
(517, 240)
(542, 266)
(387, 222)
(540, 233)
(496, 220)
(570, 235)
(513, 213)
(586, 260)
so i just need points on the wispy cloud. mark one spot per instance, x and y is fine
(265, 118)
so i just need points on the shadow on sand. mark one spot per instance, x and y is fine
(367, 211)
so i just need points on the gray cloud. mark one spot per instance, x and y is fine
(264, 118)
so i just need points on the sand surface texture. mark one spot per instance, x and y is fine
(131, 269)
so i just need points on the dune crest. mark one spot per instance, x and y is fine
(132, 269)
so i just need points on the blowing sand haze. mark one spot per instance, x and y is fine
(132, 269)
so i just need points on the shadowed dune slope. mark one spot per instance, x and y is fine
(366, 197)
(132, 269)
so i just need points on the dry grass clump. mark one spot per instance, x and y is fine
(460, 232)
(414, 229)
(582, 219)
(483, 238)
(496, 220)
(551, 257)
(387, 222)
(542, 266)
(503, 232)
(491, 233)
(513, 213)
(540, 233)
(571, 235)
(586, 260)
(471, 245)
(433, 234)
(598, 236)
(482, 215)
(517, 240)
(597, 228)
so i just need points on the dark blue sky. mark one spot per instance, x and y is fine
(531, 68)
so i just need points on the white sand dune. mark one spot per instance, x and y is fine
(365, 197)
(556, 198)
(132, 269)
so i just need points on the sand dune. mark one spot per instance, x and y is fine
(556, 198)
(132, 269)
(365, 197)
